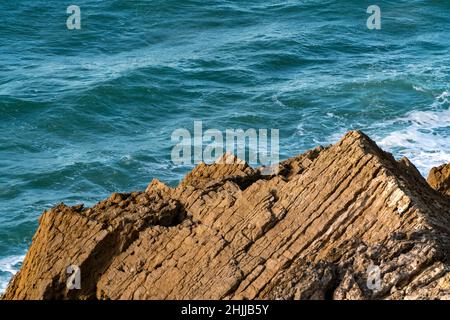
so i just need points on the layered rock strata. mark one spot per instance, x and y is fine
(343, 222)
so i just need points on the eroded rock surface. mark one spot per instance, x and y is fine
(343, 222)
(439, 179)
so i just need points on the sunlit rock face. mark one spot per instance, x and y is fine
(343, 222)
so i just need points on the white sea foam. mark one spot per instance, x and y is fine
(424, 137)
(419, 89)
(9, 265)
(422, 149)
(275, 99)
(442, 98)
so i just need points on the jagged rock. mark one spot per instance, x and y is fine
(439, 178)
(343, 222)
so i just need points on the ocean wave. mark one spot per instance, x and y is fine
(419, 89)
(423, 136)
(8, 268)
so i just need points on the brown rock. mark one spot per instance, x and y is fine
(439, 179)
(343, 222)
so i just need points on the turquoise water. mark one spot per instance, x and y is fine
(84, 113)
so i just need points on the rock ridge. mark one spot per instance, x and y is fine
(345, 221)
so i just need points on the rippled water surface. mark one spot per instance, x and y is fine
(87, 112)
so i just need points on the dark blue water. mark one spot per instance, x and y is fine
(84, 113)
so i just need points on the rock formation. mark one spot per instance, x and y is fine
(439, 179)
(343, 222)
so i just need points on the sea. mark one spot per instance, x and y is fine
(89, 109)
